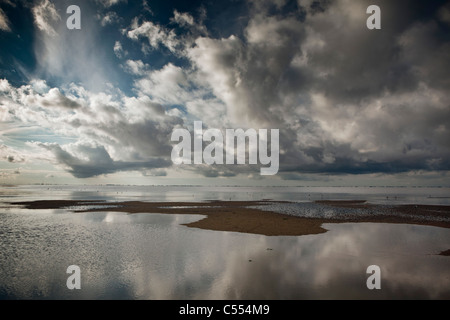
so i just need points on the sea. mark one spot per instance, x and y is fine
(149, 256)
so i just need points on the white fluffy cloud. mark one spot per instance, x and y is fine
(169, 85)
(135, 67)
(112, 134)
(157, 35)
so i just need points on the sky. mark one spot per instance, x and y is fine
(99, 104)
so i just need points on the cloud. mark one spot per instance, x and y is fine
(77, 56)
(159, 36)
(186, 20)
(155, 173)
(444, 13)
(112, 133)
(347, 100)
(110, 17)
(97, 161)
(45, 15)
(246, 74)
(183, 19)
(40, 86)
(10, 154)
(110, 3)
(118, 50)
(135, 67)
(221, 171)
(169, 85)
(9, 2)
(156, 35)
(4, 22)
(4, 85)
(146, 7)
(54, 98)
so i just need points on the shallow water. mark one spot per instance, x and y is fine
(153, 256)
(316, 210)
(377, 195)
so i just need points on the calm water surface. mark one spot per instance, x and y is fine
(153, 256)
(379, 195)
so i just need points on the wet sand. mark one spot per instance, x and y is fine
(409, 213)
(236, 216)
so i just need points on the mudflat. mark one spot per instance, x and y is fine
(240, 216)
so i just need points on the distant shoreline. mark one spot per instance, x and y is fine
(241, 216)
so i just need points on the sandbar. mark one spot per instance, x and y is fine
(241, 216)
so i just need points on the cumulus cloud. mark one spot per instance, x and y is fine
(169, 85)
(54, 98)
(4, 85)
(347, 100)
(113, 133)
(135, 67)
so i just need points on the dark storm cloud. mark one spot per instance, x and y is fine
(347, 99)
(98, 161)
(363, 63)
(348, 165)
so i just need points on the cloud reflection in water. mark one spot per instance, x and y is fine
(152, 256)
